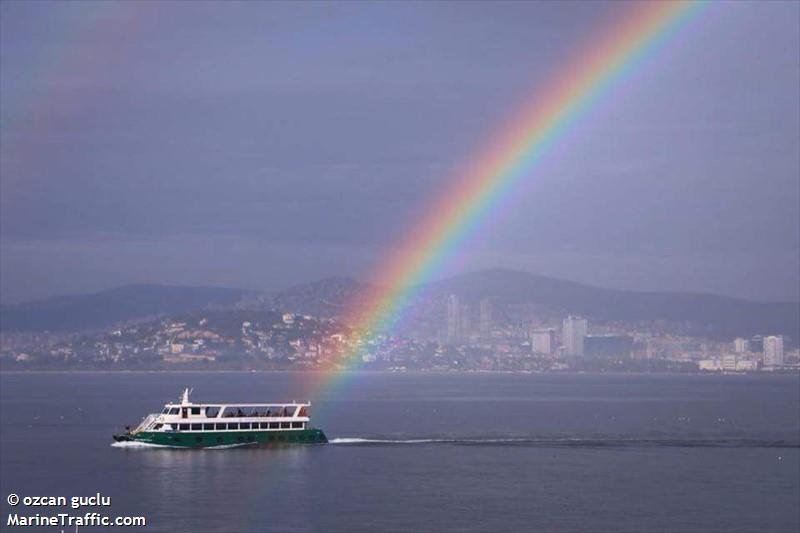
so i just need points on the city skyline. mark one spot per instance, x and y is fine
(253, 334)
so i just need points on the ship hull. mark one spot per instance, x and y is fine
(214, 439)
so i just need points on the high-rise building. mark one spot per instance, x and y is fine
(465, 325)
(757, 344)
(486, 319)
(575, 329)
(607, 345)
(543, 341)
(741, 345)
(773, 350)
(453, 319)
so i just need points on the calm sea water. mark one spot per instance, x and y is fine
(425, 452)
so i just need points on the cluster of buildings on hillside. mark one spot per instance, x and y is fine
(224, 338)
(573, 342)
(470, 337)
(576, 341)
(760, 352)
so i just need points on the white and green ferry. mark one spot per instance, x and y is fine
(209, 425)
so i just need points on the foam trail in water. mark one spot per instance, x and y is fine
(577, 442)
(136, 445)
(358, 440)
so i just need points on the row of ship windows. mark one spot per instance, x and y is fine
(222, 426)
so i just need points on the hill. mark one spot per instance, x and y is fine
(704, 314)
(104, 308)
(328, 298)
(707, 314)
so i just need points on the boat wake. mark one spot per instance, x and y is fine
(134, 445)
(574, 442)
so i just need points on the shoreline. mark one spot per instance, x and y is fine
(795, 372)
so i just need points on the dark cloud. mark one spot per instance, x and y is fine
(276, 133)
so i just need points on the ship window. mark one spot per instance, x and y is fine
(212, 412)
(297, 424)
(158, 426)
(233, 425)
(197, 427)
(264, 425)
(274, 425)
(208, 427)
(195, 410)
(221, 426)
(165, 411)
(244, 425)
(174, 411)
(184, 427)
(285, 425)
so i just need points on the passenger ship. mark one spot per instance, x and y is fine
(206, 425)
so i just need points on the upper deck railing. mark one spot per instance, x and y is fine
(186, 409)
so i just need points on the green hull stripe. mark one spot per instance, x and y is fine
(210, 439)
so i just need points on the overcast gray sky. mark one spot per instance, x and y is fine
(264, 144)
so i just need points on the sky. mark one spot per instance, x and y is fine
(265, 144)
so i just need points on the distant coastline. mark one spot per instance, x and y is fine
(787, 372)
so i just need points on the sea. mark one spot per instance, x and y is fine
(419, 452)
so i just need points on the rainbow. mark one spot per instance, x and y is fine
(464, 205)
